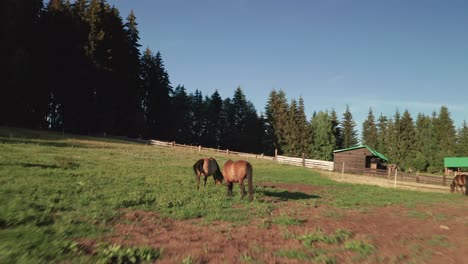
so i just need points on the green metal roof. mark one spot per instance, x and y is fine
(456, 162)
(380, 155)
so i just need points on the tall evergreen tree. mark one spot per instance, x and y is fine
(155, 101)
(198, 117)
(462, 140)
(337, 133)
(324, 139)
(369, 130)
(446, 135)
(292, 133)
(214, 108)
(426, 145)
(382, 135)
(276, 112)
(407, 136)
(302, 128)
(394, 139)
(23, 102)
(349, 132)
(181, 115)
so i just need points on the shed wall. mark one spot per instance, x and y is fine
(354, 160)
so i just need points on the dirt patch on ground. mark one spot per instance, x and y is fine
(425, 234)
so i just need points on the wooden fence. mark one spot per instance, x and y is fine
(200, 149)
(407, 177)
(308, 163)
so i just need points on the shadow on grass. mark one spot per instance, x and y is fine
(42, 166)
(286, 195)
(48, 143)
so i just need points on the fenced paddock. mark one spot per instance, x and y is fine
(395, 177)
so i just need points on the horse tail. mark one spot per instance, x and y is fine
(249, 180)
(198, 167)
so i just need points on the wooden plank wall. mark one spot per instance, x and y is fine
(354, 160)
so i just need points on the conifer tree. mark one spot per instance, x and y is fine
(197, 117)
(181, 115)
(369, 131)
(349, 132)
(276, 112)
(324, 139)
(394, 139)
(462, 140)
(446, 136)
(291, 129)
(426, 145)
(407, 137)
(302, 128)
(337, 133)
(214, 107)
(382, 135)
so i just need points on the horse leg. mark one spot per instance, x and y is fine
(229, 188)
(242, 187)
(206, 177)
(198, 182)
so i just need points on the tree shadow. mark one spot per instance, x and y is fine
(287, 195)
(35, 165)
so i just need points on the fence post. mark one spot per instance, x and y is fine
(342, 171)
(276, 154)
(227, 152)
(173, 143)
(303, 160)
(262, 156)
(199, 148)
(396, 173)
(445, 181)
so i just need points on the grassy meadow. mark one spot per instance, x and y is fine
(56, 189)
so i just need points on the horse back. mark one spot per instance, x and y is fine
(198, 167)
(460, 179)
(210, 166)
(236, 171)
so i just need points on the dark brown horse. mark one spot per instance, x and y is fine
(207, 167)
(458, 181)
(237, 171)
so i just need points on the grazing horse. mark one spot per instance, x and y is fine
(207, 167)
(458, 181)
(237, 171)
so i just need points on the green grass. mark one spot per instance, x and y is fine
(55, 189)
(286, 220)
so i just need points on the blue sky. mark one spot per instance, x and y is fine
(387, 55)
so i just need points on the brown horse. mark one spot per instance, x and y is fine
(458, 181)
(237, 171)
(207, 167)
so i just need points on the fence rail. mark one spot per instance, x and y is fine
(407, 177)
(309, 163)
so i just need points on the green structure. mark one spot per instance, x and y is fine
(455, 162)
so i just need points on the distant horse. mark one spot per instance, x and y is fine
(207, 167)
(458, 181)
(237, 171)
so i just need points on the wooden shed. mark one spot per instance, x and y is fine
(357, 159)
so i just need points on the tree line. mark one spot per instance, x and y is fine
(78, 68)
